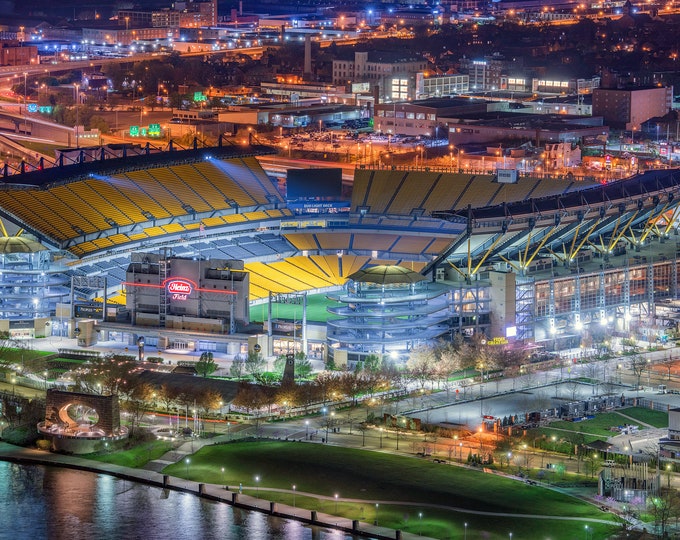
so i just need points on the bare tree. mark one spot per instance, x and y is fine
(326, 383)
(237, 369)
(350, 384)
(254, 364)
(663, 508)
(110, 374)
(573, 386)
(421, 364)
(209, 400)
(136, 402)
(637, 366)
(167, 396)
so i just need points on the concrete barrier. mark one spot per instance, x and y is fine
(272, 507)
(166, 480)
(313, 516)
(201, 489)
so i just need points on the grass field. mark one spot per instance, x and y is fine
(658, 419)
(601, 425)
(316, 310)
(372, 476)
(564, 433)
(135, 457)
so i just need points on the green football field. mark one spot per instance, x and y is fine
(316, 310)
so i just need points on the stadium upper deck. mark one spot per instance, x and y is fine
(218, 203)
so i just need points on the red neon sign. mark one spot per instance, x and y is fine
(179, 286)
(179, 289)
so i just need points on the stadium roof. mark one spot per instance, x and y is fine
(386, 275)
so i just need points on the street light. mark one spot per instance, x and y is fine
(294, 487)
(336, 503)
(465, 532)
(257, 486)
(25, 95)
(187, 461)
(420, 521)
(306, 430)
(45, 375)
(381, 432)
(376, 513)
(76, 87)
(222, 475)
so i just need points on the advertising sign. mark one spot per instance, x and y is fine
(179, 289)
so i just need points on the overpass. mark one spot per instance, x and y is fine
(35, 126)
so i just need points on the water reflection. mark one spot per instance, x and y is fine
(41, 502)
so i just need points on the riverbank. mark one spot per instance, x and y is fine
(213, 492)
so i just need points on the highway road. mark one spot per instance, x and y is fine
(278, 166)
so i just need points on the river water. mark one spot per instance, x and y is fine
(39, 502)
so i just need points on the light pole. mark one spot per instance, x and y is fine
(76, 87)
(336, 503)
(294, 487)
(397, 434)
(257, 486)
(222, 475)
(25, 94)
(376, 513)
(187, 461)
(45, 375)
(381, 432)
(465, 538)
(306, 430)
(420, 522)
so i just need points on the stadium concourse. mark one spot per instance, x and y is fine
(517, 257)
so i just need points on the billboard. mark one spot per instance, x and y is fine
(506, 176)
(361, 88)
(313, 184)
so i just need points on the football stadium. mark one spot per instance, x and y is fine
(200, 249)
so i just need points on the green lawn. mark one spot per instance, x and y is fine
(557, 440)
(134, 457)
(601, 425)
(658, 419)
(316, 310)
(372, 476)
